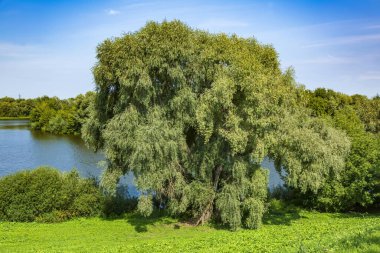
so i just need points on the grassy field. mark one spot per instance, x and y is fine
(291, 232)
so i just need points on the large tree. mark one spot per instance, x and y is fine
(193, 114)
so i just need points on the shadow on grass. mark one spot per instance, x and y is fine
(141, 223)
(281, 218)
(277, 215)
(281, 213)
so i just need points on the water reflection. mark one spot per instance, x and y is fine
(21, 148)
(14, 124)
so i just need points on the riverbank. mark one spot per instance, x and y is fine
(14, 118)
(301, 231)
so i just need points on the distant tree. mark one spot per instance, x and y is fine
(50, 114)
(10, 107)
(193, 115)
(61, 116)
(358, 186)
(369, 112)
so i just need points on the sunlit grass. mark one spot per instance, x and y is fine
(295, 232)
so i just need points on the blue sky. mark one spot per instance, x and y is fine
(48, 47)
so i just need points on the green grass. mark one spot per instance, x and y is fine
(282, 232)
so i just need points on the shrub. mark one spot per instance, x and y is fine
(45, 194)
(114, 206)
(119, 203)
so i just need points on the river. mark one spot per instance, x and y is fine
(22, 148)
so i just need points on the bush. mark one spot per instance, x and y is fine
(114, 206)
(47, 195)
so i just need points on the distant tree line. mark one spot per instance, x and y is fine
(358, 186)
(60, 116)
(16, 108)
(329, 103)
(49, 114)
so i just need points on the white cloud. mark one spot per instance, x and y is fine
(373, 27)
(16, 50)
(370, 75)
(328, 59)
(346, 40)
(112, 12)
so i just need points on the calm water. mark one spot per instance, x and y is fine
(22, 148)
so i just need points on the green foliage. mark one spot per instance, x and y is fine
(198, 196)
(229, 205)
(193, 115)
(325, 102)
(359, 184)
(45, 194)
(254, 210)
(15, 108)
(60, 116)
(368, 111)
(118, 203)
(145, 205)
(116, 206)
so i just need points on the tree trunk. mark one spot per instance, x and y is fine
(207, 213)
(216, 176)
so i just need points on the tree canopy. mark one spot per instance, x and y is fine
(359, 184)
(10, 107)
(193, 115)
(60, 116)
